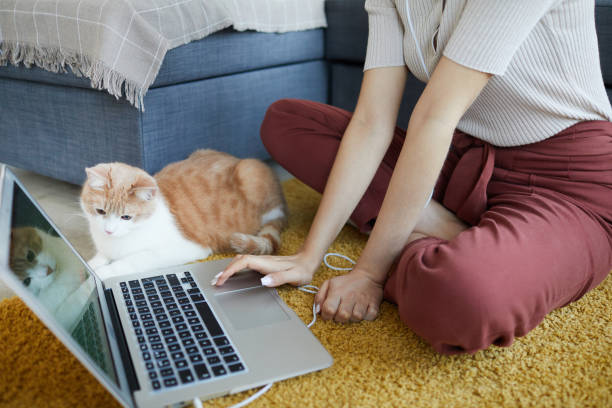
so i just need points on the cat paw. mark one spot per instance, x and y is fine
(113, 269)
(98, 261)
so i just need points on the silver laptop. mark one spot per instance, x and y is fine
(153, 339)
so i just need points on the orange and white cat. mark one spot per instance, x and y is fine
(210, 202)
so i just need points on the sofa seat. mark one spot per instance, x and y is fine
(210, 93)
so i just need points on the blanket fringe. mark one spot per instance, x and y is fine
(55, 60)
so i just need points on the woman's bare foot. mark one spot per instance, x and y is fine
(437, 221)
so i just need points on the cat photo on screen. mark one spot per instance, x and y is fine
(210, 202)
(45, 265)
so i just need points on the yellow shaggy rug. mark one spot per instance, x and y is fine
(565, 362)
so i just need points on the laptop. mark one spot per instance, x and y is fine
(153, 339)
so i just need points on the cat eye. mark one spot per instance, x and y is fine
(30, 256)
(100, 211)
(126, 217)
(27, 281)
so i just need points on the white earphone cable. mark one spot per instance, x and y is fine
(416, 41)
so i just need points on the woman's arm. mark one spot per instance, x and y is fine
(363, 146)
(449, 93)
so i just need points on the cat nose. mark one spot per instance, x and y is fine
(108, 232)
(49, 270)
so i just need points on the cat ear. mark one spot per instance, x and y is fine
(97, 176)
(145, 187)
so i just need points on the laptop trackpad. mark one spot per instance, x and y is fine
(251, 308)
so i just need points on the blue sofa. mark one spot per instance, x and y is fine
(209, 93)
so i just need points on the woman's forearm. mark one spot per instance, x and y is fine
(361, 151)
(413, 179)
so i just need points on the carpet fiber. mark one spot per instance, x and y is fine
(564, 362)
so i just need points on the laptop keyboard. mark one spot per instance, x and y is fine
(180, 339)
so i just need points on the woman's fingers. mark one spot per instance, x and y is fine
(321, 295)
(262, 264)
(359, 312)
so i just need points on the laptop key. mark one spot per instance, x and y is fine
(171, 306)
(163, 363)
(191, 350)
(195, 358)
(180, 294)
(209, 351)
(156, 384)
(231, 358)
(150, 365)
(154, 339)
(205, 343)
(174, 347)
(167, 332)
(143, 309)
(149, 323)
(139, 303)
(166, 293)
(234, 368)
(170, 339)
(164, 324)
(226, 350)
(194, 285)
(153, 297)
(146, 356)
(158, 310)
(221, 341)
(197, 298)
(178, 356)
(175, 313)
(122, 284)
(130, 309)
(160, 354)
(178, 319)
(183, 301)
(218, 370)
(163, 287)
(209, 319)
(184, 280)
(201, 371)
(136, 291)
(133, 316)
(170, 382)
(181, 327)
(126, 296)
(184, 334)
(172, 279)
(144, 347)
(141, 339)
(188, 342)
(187, 307)
(186, 376)
(135, 323)
(190, 313)
(152, 375)
(157, 346)
(197, 328)
(193, 320)
(157, 303)
(139, 297)
(201, 335)
(213, 360)
(134, 284)
(193, 291)
(152, 330)
(151, 291)
(166, 372)
(161, 317)
(180, 364)
(148, 285)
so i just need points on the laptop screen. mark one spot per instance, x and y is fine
(57, 278)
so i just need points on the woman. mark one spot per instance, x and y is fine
(520, 222)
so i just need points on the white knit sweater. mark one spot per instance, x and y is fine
(543, 55)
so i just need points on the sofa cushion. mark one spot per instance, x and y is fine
(347, 31)
(225, 52)
(603, 21)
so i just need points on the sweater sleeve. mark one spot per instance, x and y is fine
(385, 34)
(490, 32)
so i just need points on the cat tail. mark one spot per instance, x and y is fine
(267, 241)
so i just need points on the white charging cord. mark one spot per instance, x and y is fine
(416, 41)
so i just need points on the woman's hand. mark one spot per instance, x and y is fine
(294, 270)
(351, 297)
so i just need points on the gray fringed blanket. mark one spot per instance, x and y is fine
(120, 44)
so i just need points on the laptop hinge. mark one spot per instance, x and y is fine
(121, 342)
